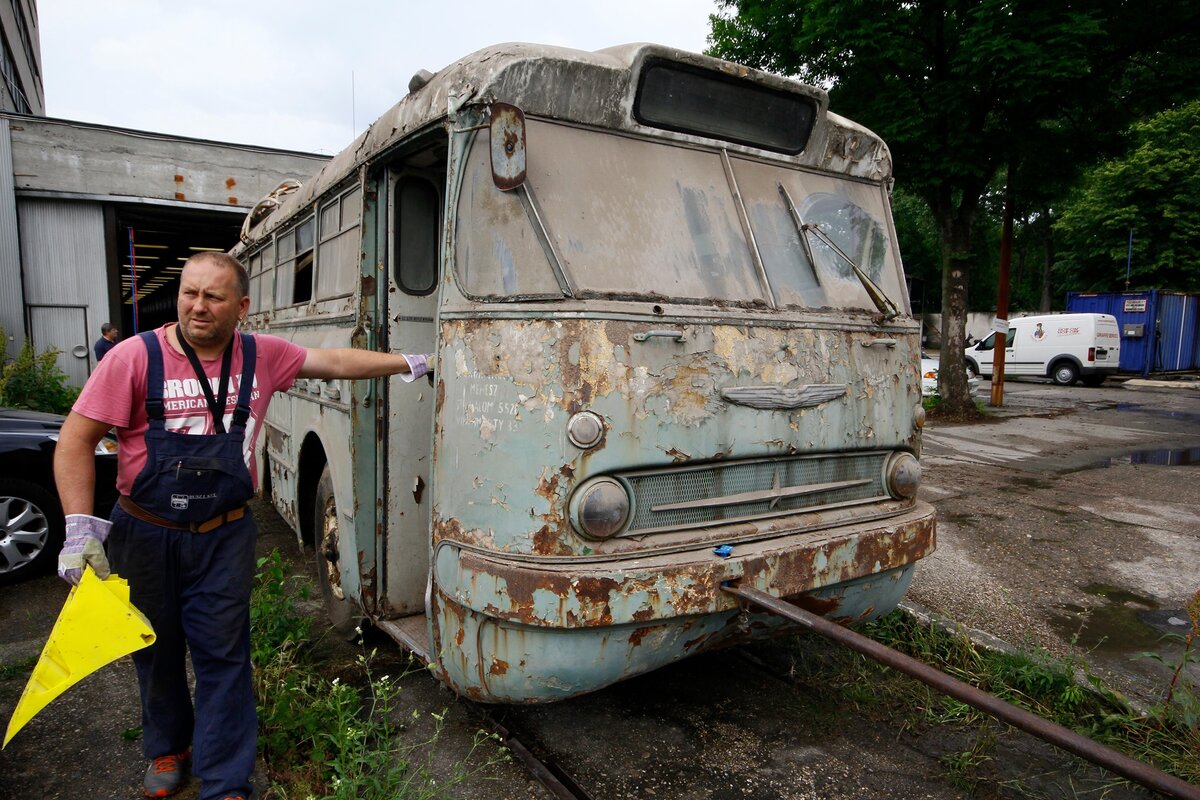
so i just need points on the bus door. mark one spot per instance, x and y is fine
(415, 197)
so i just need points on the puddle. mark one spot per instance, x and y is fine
(1126, 624)
(1173, 457)
(1163, 457)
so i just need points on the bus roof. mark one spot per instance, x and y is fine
(588, 88)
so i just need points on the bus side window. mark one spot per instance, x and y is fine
(417, 230)
(302, 288)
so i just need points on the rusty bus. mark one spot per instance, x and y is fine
(673, 349)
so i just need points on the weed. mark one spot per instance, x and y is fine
(962, 766)
(1168, 737)
(17, 669)
(339, 738)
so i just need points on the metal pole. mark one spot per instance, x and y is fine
(1054, 733)
(1001, 338)
(1129, 260)
(133, 280)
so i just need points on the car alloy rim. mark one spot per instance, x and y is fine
(24, 530)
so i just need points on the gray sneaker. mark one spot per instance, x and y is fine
(166, 774)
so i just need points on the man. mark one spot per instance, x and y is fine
(107, 340)
(181, 534)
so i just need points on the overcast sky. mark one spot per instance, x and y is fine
(302, 74)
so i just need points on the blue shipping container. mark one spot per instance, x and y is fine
(1160, 331)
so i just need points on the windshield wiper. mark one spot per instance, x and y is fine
(881, 300)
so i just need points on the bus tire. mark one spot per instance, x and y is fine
(343, 616)
(1064, 373)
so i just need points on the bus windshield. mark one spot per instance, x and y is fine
(631, 217)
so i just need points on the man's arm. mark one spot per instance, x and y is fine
(352, 363)
(75, 462)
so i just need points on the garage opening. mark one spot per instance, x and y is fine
(148, 245)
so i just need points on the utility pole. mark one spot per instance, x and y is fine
(1001, 338)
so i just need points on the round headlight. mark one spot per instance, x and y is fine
(903, 476)
(585, 429)
(600, 508)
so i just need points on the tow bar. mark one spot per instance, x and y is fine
(1051, 732)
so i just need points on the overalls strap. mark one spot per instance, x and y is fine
(249, 353)
(154, 379)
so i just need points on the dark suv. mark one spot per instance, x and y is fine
(31, 520)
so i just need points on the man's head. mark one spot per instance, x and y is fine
(109, 331)
(213, 291)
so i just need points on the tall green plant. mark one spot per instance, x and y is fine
(33, 380)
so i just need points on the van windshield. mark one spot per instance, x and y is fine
(632, 218)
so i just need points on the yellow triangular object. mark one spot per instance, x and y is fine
(97, 625)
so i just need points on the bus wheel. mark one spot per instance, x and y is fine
(340, 609)
(1065, 373)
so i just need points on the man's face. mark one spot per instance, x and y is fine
(112, 335)
(210, 304)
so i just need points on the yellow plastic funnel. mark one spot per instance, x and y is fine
(96, 626)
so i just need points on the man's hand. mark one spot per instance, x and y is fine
(84, 546)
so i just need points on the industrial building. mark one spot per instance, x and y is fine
(96, 221)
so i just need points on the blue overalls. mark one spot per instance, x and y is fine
(195, 589)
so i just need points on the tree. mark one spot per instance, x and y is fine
(961, 89)
(1151, 191)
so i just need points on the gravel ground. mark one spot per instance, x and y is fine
(1046, 529)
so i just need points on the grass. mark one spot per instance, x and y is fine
(340, 737)
(1166, 736)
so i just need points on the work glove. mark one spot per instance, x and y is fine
(418, 366)
(84, 546)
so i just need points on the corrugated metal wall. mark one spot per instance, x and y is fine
(1179, 332)
(11, 297)
(63, 258)
(1170, 325)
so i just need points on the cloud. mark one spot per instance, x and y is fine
(301, 75)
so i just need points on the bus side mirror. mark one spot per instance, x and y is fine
(507, 131)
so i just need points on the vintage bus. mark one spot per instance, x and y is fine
(673, 350)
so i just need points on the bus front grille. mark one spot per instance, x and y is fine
(735, 491)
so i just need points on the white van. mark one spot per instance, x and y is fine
(1062, 347)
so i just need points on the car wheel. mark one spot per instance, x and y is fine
(1065, 373)
(972, 369)
(31, 529)
(341, 610)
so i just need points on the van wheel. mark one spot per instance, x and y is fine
(342, 614)
(972, 369)
(1065, 373)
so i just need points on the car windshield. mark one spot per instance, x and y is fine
(629, 217)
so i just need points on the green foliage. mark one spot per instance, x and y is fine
(1151, 190)
(1168, 736)
(33, 380)
(341, 738)
(968, 91)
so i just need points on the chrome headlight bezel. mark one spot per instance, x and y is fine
(601, 508)
(902, 476)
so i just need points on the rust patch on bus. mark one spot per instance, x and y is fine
(498, 667)
(635, 638)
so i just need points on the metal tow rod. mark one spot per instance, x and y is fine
(1054, 733)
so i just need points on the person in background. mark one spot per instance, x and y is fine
(107, 340)
(188, 401)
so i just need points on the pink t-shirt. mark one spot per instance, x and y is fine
(116, 394)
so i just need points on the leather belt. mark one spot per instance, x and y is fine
(134, 510)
